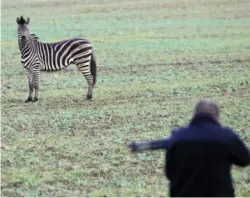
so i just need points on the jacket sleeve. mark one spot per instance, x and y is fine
(159, 144)
(154, 144)
(239, 152)
(162, 143)
(150, 145)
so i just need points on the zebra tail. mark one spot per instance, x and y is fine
(93, 68)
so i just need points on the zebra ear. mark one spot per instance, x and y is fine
(28, 20)
(17, 20)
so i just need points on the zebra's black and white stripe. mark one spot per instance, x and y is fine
(37, 56)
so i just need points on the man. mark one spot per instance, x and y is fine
(200, 155)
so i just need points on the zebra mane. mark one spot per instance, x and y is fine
(22, 21)
(34, 36)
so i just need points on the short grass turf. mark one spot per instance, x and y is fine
(155, 60)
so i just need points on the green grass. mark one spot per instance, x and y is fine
(155, 60)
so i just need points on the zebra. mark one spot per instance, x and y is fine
(37, 56)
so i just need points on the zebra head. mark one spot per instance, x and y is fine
(22, 31)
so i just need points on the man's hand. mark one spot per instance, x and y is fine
(133, 147)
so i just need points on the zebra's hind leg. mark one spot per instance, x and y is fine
(89, 79)
(29, 99)
(85, 70)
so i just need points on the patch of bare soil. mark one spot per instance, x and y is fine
(179, 4)
(210, 62)
(55, 3)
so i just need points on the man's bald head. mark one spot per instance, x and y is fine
(208, 107)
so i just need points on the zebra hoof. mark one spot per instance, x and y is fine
(29, 99)
(89, 97)
(35, 99)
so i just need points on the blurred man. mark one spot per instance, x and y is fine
(200, 155)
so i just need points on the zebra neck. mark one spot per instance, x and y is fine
(29, 55)
(31, 45)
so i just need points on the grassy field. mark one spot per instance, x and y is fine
(155, 60)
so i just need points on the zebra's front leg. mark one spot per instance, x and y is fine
(29, 99)
(36, 75)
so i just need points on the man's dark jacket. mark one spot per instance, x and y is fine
(199, 157)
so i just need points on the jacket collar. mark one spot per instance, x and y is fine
(203, 118)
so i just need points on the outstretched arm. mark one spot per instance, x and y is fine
(149, 145)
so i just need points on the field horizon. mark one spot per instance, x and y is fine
(155, 60)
